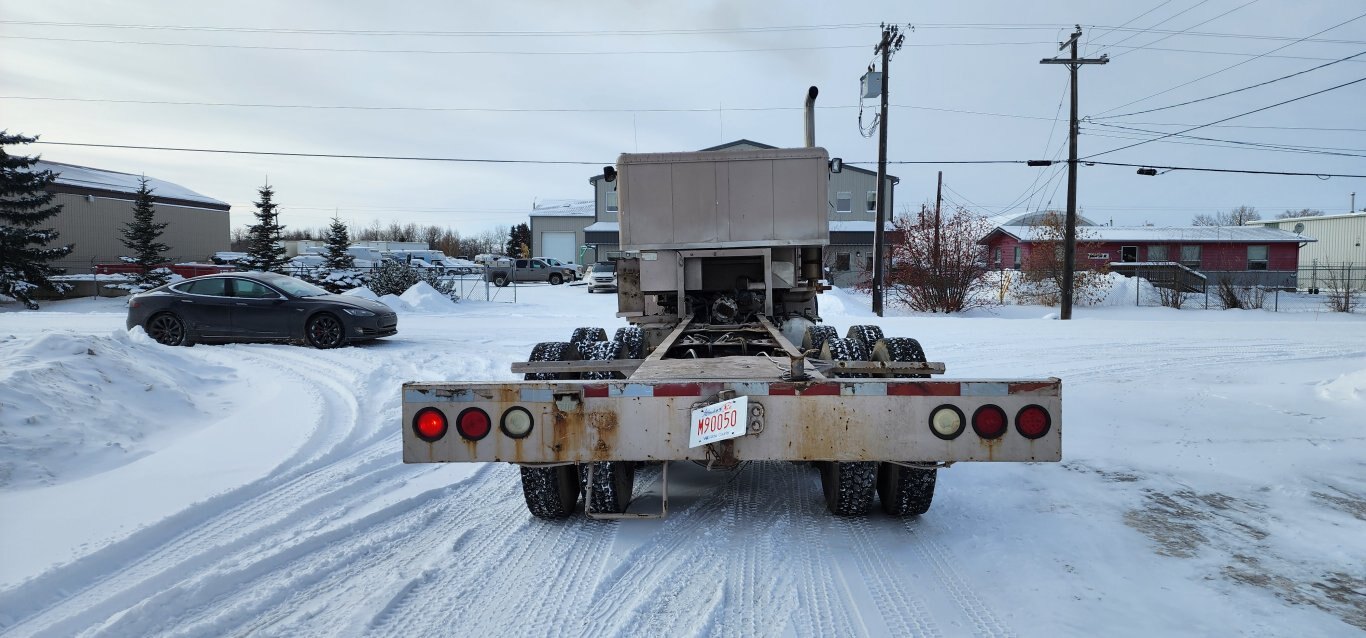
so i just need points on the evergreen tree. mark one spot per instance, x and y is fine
(338, 240)
(519, 241)
(140, 237)
(24, 204)
(264, 253)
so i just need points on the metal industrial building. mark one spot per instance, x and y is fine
(97, 204)
(1339, 252)
(557, 229)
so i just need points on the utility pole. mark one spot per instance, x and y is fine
(938, 199)
(1070, 237)
(890, 43)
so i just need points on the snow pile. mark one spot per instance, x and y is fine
(422, 297)
(1350, 387)
(73, 404)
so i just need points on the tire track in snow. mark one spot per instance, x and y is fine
(825, 618)
(198, 537)
(904, 613)
(940, 559)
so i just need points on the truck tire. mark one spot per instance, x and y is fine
(849, 486)
(613, 482)
(500, 280)
(869, 335)
(905, 491)
(632, 341)
(587, 334)
(845, 350)
(816, 336)
(552, 351)
(599, 351)
(901, 350)
(551, 492)
(556, 279)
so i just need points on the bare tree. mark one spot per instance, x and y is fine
(1303, 212)
(937, 264)
(1344, 295)
(1239, 216)
(1043, 268)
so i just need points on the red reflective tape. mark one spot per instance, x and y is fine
(782, 390)
(598, 391)
(822, 390)
(1032, 388)
(938, 389)
(678, 390)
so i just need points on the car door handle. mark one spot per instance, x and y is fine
(186, 301)
(241, 303)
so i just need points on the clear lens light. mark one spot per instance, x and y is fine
(946, 422)
(358, 312)
(517, 423)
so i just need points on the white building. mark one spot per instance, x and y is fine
(1341, 245)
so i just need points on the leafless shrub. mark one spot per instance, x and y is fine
(1344, 295)
(1043, 269)
(937, 264)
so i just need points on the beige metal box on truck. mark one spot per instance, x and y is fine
(726, 360)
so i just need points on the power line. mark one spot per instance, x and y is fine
(1233, 66)
(328, 155)
(499, 109)
(1123, 28)
(1294, 147)
(578, 163)
(1246, 126)
(1295, 99)
(1241, 6)
(1130, 21)
(1139, 32)
(1221, 143)
(1226, 170)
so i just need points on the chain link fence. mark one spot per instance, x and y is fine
(1328, 288)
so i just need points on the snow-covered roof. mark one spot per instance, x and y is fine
(603, 227)
(564, 208)
(127, 183)
(1263, 222)
(1178, 234)
(1028, 219)
(858, 227)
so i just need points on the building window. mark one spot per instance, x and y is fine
(1017, 257)
(868, 263)
(842, 261)
(1128, 253)
(612, 201)
(1256, 257)
(872, 201)
(844, 202)
(996, 256)
(1190, 256)
(1157, 253)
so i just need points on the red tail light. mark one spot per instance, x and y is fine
(429, 424)
(1033, 422)
(473, 424)
(989, 422)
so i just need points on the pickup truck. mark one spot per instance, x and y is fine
(523, 270)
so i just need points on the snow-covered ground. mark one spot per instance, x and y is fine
(1214, 483)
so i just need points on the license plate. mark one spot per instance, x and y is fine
(719, 421)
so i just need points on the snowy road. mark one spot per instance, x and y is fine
(1213, 483)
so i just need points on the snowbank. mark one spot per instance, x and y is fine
(78, 404)
(422, 297)
(363, 293)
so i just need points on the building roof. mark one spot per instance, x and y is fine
(1029, 219)
(83, 180)
(1178, 234)
(603, 227)
(1263, 222)
(564, 208)
(858, 226)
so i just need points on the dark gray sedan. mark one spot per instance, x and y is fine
(257, 306)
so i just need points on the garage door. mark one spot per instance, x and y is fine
(558, 245)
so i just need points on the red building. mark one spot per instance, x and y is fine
(1248, 254)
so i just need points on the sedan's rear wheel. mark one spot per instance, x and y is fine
(324, 331)
(168, 330)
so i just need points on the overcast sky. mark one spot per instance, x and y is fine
(528, 96)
